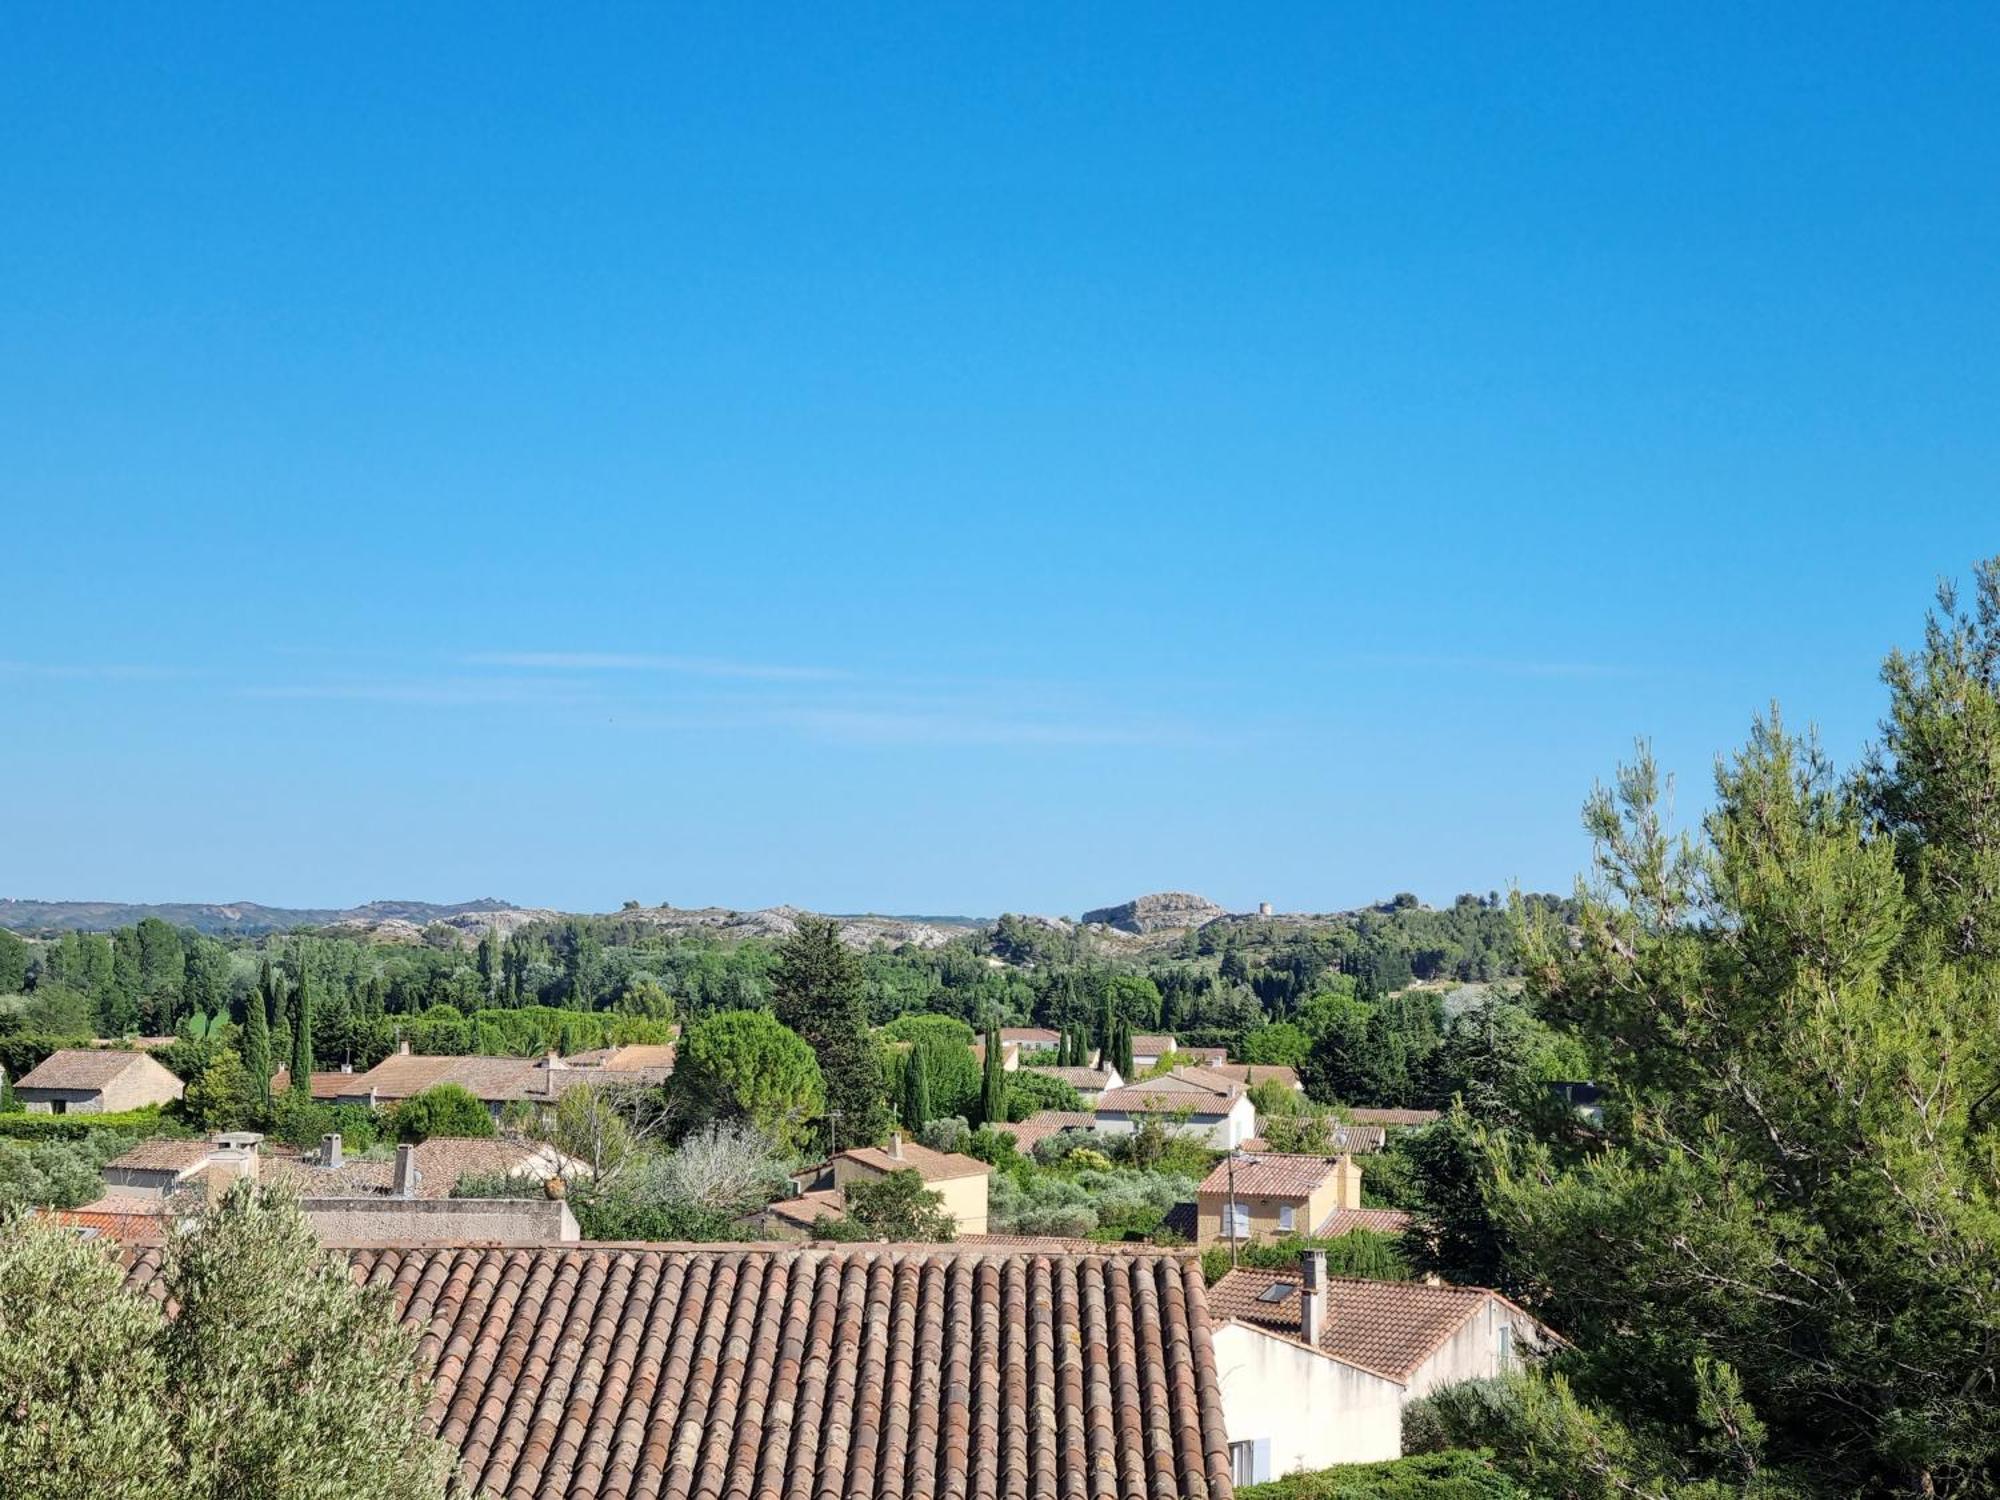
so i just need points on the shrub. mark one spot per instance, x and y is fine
(1031, 1093)
(1457, 1475)
(132, 1123)
(1360, 1252)
(948, 1133)
(445, 1109)
(55, 1174)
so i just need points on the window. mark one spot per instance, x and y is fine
(1287, 1217)
(1239, 1221)
(1250, 1463)
(58, 1106)
(1243, 1463)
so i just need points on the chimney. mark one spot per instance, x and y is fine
(329, 1151)
(896, 1144)
(1312, 1296)
(402, 1049)
(404, 1183)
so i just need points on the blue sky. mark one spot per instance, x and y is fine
(959, 458)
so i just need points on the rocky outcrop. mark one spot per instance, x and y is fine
(1163, 911)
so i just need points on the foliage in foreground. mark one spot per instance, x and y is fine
(1780, 1246)
(277, 1376)
(1360, 1252)
(1455, 1475)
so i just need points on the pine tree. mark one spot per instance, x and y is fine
(257, 1043)
(993, 1083)
(817, 992)
(916, 1090)
(302, 1047)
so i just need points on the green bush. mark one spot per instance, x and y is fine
(1457, 1475)
(132, 1123)
(442, 1110)
(56, 1174)
(1031, 1093)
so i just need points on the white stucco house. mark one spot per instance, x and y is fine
(1316, 1370)
(1192, 1101)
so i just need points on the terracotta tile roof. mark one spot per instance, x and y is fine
(1270, 1175)
(1356, 1140)
(78, 1068)
(324, 1086)
(492, 1079)
(807, 1208)
(1037, 1128)
(1030, 1036)
(862, 1373)
(1381, 1220)
(633, 1057)
(1390, 1327)
(1183, 1088)
(440, 1163)
(1408, 1117)
(1204, 1056)
(932, 1166)
(1084, 1080)
(1249, 1074)
(112, 1218)
(1154, 1046)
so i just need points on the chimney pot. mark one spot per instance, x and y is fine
(1312, 1296)
(329, 1150)
(404, 1183)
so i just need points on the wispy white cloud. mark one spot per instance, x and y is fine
(1498, 666)
(623, 661)
(863, 726)
(446, 691)
(91, 671)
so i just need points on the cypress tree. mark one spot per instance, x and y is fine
(257, 1041)
(1125, 1068)
(6, 1093)
(993, 1084)
(1105, 1027)
(916, 1090)
(302, 1047)
(818, 991)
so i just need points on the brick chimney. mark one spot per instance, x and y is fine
(896, 1144)
(329, 1151)
(404, 1183)
(1312, 1296)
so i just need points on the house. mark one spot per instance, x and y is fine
(1268, 1195)
(1010, 1055)
(588, 1372)
(1290, 1403)
(324, 1087)
(347, 1200)
(1148, 1050)
(1031, 1132)
(1358, 1140)
(1091, 1084)
(960, 1181)
(1418, 1334)
(1031, 1038)
(495, 1081)
(78, 1081)
(1216, 1111)
(1200, 1057)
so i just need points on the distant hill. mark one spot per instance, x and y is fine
(245, 917)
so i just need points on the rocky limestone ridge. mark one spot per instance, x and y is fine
(1163, 911)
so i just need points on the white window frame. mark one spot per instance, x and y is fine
(1288, 1217)
(1239, 1220)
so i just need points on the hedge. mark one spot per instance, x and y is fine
(37, 1127)
(1456, 1475)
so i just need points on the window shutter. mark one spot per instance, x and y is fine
(1260, 1460)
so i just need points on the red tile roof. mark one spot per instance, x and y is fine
(862, 1373)
(1390, 1327)
(80, 1068)
(1153, 1046)
(1030, 1036)
(1381, 1220)
(932, 1166)
(324, 1086)
(1203, 1055)
(1270, 1175)
(1037, 1128)
(1183, 1088)
(1084, 1080)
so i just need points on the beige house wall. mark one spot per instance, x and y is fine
(1341, 1188)
(964, 1197)
(147, 1082)
(1492, 1341)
